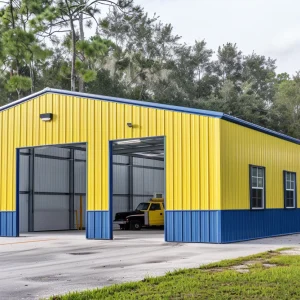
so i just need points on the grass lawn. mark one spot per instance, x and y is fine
(269, 275)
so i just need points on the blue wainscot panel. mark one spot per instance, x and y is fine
(99, 225)
(241, 225)
(193, 226)
(8, 223)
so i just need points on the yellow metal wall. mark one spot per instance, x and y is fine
(241, 146)
(192, 146)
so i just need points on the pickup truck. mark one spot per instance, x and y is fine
(145, 215)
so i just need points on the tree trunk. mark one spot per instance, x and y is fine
(81, 36)
(31, 76)
(73, 42)
(14, 27)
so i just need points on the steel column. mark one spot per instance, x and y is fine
(71, 189)
(31, 191)
(130, 182)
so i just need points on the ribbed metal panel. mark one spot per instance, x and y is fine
(8, 221)
(80, 177)
(193, 226)
(23, 213)
(51, 175)
(148, 181)
(120, 178)
(121, 159)
(120, 203)
(98, 225)
(24, 173)
(148, 162)
(240, 225)
(78, 119)
(243, 146)
(51, 212)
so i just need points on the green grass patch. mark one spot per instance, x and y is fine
(270, 275)
(283, 249)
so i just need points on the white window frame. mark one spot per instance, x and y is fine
(257, 187)
(286, 173)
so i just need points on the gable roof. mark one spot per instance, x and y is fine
(154, 105)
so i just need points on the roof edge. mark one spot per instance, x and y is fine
(207, 113)
(24, 99)
(259, 128)
(196, 111)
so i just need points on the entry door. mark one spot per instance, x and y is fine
(156, 215)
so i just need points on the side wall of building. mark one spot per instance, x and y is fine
(241, 147)
(192, 159)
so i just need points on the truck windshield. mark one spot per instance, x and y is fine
(143, 206)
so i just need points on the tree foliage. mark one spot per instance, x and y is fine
(125, 52)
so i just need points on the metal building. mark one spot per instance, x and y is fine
(223, 179)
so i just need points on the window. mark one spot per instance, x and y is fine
(289, 189)
(142, 206)
(155, 207)
(257, 187)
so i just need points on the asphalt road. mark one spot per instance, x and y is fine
(43, 264)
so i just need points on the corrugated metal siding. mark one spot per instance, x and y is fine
(98, 225)
(23, 213)
(240, 147)
(193, 226)
(96, 122)
(51, 174)
(8, 221)
(120, 178)
(239, 225)
(51, 212)
(80, 177)
(148, 181)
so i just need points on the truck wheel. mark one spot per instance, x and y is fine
(135, 225)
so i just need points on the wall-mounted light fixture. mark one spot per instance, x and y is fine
(46, 117)
(129, 125)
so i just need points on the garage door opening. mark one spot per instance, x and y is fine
(138, 186)
(52, 188)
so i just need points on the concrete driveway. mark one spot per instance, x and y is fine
(42, 264)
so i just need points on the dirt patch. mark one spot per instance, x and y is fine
(240, 268)
(295, 251)
(252, 262)
(269, 265)
(213, 270)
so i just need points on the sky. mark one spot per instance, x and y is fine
(268, 27)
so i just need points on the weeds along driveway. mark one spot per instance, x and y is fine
(43, 264)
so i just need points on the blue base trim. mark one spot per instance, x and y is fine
(193, 226)
(8, 223)
(229, 226)
(241, 225)
(99, 225)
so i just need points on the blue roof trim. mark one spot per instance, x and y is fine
(141, 103)
(195, 111)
